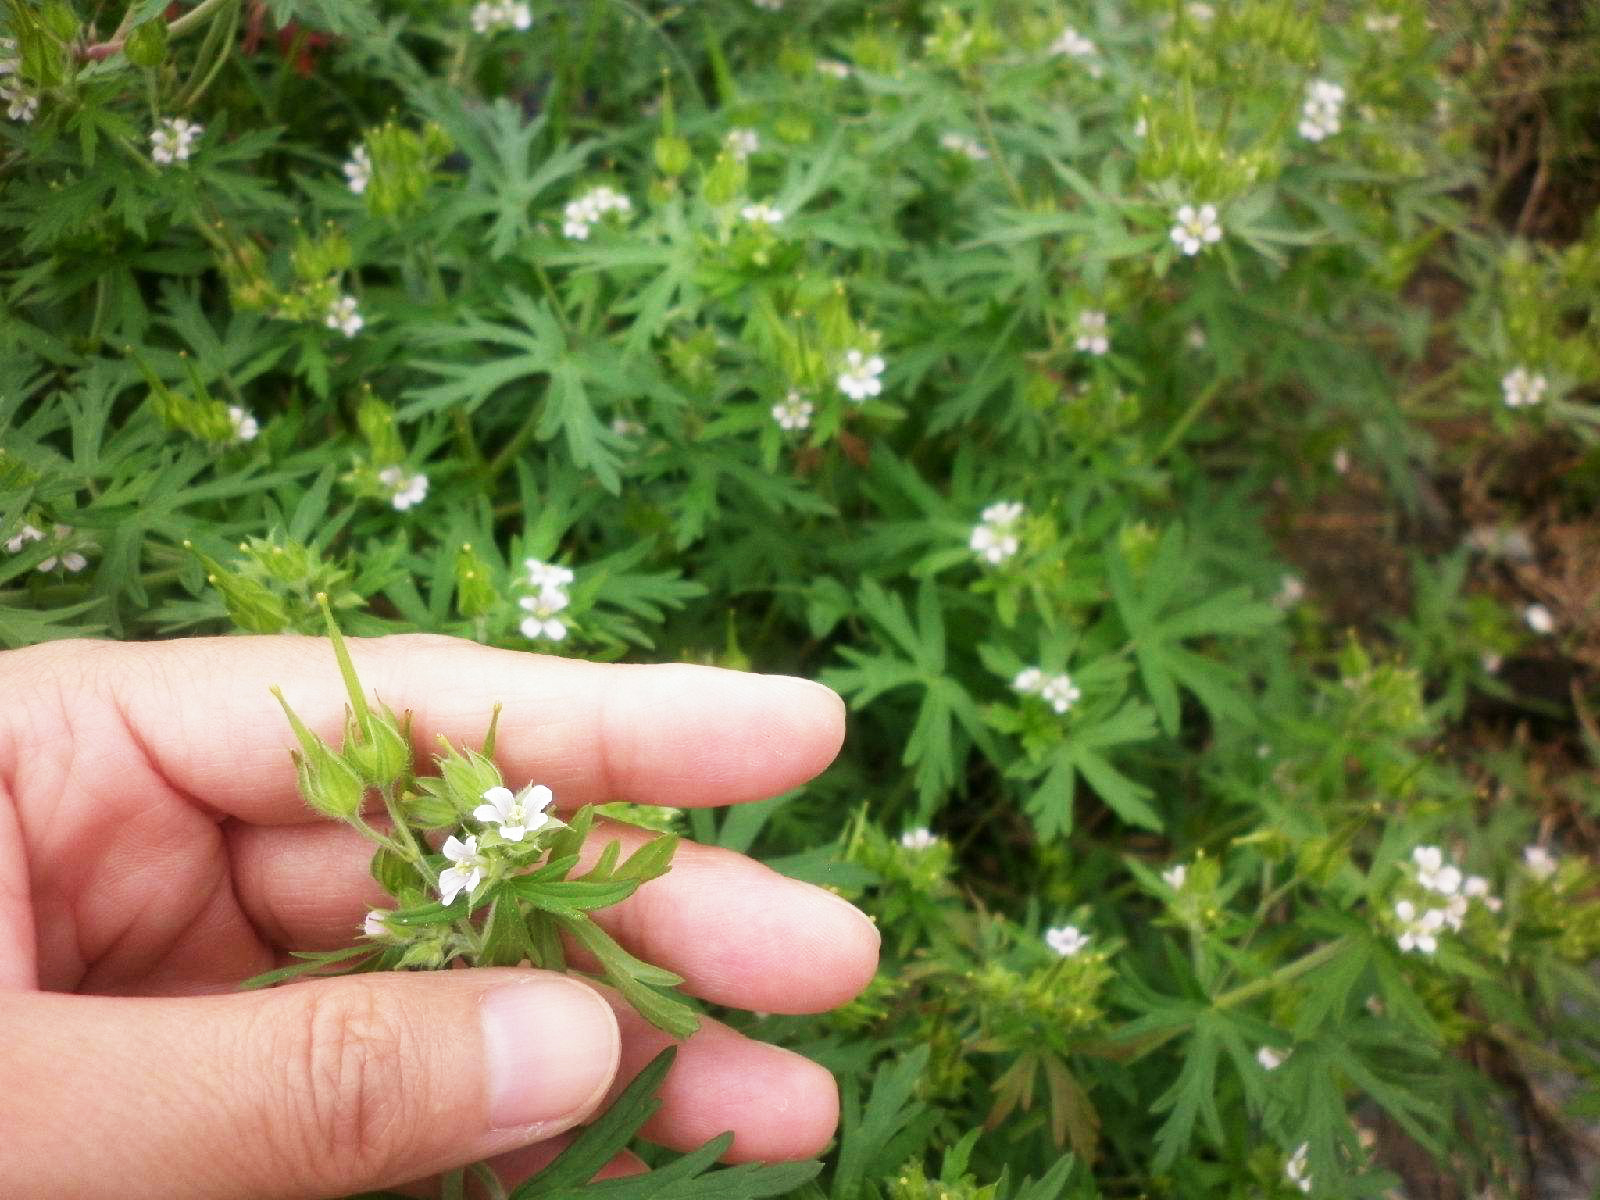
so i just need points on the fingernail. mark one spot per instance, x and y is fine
(861, 917)
(550, 1049)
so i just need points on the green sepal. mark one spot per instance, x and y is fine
(432, 805)
(466, 776)
(393, 873)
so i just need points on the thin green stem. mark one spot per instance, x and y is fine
(1189, 417)
(1287, 973)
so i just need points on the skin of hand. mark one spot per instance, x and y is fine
(154, 852)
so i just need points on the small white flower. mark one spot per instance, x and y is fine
(1141, 127)
(1319, 115)
(1060, 692)
(345, 316)
(623, 427)
(543, 575)
(1491, 662)
(1200, 12)
(1434, 873)
(592, 207)
(496, 16)
(1196, 338)
(1269, 1058)
(859, 377)
(1541, 864)
(1341, 461)
(793, 412)
(994, 538)
(960, 143)
(1295, 1169)
(1196, 228)
(1175, 875)
(1419, 932)
(1065, 940)
(742, 143)
(466, 874)
(22, 537)
(67, 560)
(542, 621)
(358, 170)
(405, 488)
(1092, 337)
(1382, 22)
(517, 815)
(173, 140)
(374, 926)
(21, 104)
(1028, 681)
(1538, 618)
(1072, 44)
(1291, 590)
(1521, 387)
(768, 5)
(919, 839)
(833, 68)
(245, 426)
(761, 214)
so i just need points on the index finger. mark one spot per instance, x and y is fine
(674, 734)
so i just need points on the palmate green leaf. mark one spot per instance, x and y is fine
(1083, 752)
(870, 1138)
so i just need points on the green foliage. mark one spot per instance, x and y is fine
(985, 359)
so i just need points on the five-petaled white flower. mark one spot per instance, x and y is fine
(1092, 337)
(173, 140)
(21, 104)
(1065, 940)
(466, 874)
(919, 839)
(742, 143)
(1291, 590)
(1295, 1169)
(245, 426)
(1059, 692)
(1419, 931)
(1319, 115)
(1196, 228)
(1028, 681)
(541, 574)
(406, 488)
(1174, 876)
(793, 412)
(517, 815)
(22, 537)
(542, 621)
(69, 560)
(858, 378)
(1270, 1059)
(1434, 873)
(1521, 387)
(344, 315)
(994, 538)
(761, 214)
(1540, 863)
(358, 170)
(1072, 44)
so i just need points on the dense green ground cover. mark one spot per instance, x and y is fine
(994, 362)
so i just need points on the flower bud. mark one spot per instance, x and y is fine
(326, 782)
(379, 748)
(672, 154)
(147, 44)
(726, 180)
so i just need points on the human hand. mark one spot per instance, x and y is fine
(154, 852)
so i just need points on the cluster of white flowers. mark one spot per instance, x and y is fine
(1270, 1059)
(1522, 387)
(245, 426)
(1319, 115)
(1072, 44)
(173, 140)
(1540, 863)
(921, 838)
(496, 17)
(1175, 875)
(1539, 619)
(761, 214)
(742, 143)
(590, 208)
(994, 538)
(1295, 1169)
(1058, 691)
(967, 147)
(1066, 940)
(21, 104)
(793, 412)
(68, 560)
(1091, 328)
(358, 170)
(406, 488)
(549, 581)
(344, 315)
(1196, 228)
(859, 377)
(1420, 928)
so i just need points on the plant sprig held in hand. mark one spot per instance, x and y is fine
(500, 890)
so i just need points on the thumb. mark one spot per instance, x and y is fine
(316, 1089)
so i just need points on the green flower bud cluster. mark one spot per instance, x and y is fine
(404, 163)
(273, 586)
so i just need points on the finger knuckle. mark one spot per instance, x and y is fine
(345, 1093)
